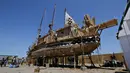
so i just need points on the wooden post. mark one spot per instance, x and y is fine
(53, 61)
(74, 60)
(90, 57)
(83, 64)
(83, 59)
(50, 61)
(43, 61)
(47, 60)
(83, 67)
(64, 60)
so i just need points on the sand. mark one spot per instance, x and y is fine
(26, 69)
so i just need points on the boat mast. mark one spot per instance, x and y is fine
(39, 30)
(64, 16)
(52, 22)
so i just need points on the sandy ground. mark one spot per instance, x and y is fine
(17, 70)
(26, 69)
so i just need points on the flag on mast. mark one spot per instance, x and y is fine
(69, 21)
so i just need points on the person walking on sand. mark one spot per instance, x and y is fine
(5, 62)
(2, 62)
(14, 61)
(22, 61)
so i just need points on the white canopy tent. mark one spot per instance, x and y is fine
(124, 34)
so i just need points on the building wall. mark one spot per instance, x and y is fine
(99, 59)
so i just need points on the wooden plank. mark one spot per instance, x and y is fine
(108, 24)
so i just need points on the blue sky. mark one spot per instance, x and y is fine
(19, 21)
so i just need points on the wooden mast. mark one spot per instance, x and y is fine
(52, 22)
(39, 30)
(64, 16)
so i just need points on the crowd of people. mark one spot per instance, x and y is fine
(3, 62)
(15, 62)
(113, 62)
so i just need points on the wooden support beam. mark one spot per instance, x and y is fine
(83, 67)
(64, 60)
(82, 48)
(92, 64)
(43, 61)
(74, 60)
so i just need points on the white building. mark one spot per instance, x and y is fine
(3, 56)
(124, 33)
